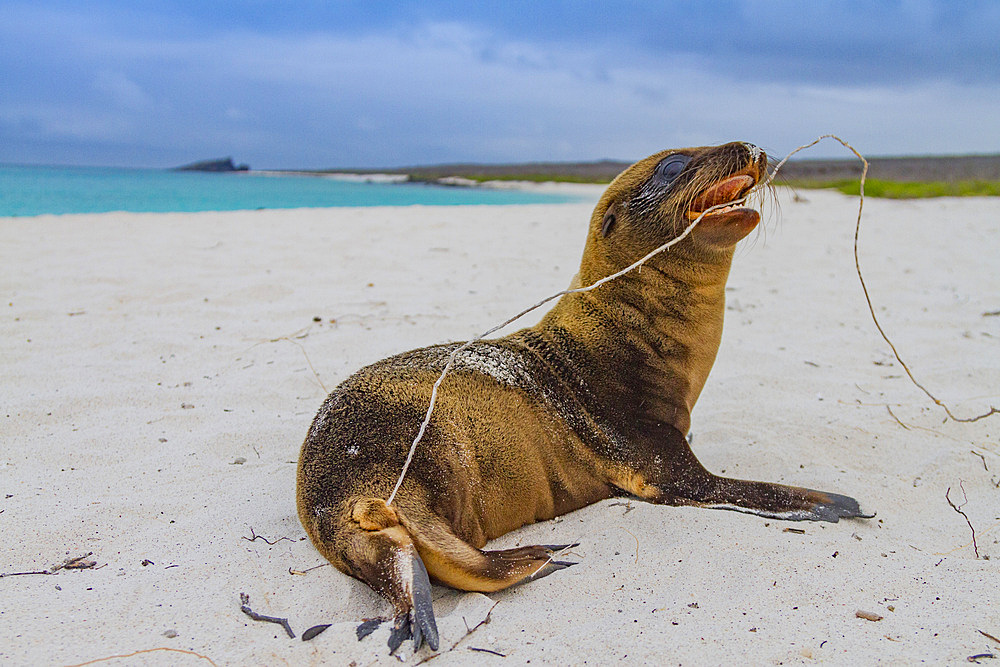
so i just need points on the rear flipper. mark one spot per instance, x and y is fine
(456, 563)
(393, 555)
(371, 545)
(418, 622)
(390, 564)
(421, 615)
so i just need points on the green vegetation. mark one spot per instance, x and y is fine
(905, 189)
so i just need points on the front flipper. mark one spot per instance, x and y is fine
(777, 501)
(680, 479)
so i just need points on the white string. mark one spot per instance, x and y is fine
(577, 290)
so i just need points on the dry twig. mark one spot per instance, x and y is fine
(245, 608)
(309, 569)
(308, 360)
(893, 415)
(468, 632)
(636, 543)
(958, 508)
(626, 504)
(988, 635)
(301, 333)
(255, 536)
(70, 564)
(145, 650)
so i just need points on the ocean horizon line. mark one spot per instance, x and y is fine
(32, 190)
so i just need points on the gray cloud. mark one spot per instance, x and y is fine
(165, 92)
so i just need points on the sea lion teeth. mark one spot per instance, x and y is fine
(592, 402)
(725, 191)
(729, 208)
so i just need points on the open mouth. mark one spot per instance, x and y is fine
(729, 195)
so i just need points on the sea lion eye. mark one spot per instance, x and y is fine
(671, 167)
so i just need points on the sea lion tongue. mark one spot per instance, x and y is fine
(722, 192)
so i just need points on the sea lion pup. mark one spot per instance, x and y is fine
(595, 401)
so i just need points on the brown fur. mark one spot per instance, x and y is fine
(592, 402)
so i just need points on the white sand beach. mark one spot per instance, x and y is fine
(160, 371)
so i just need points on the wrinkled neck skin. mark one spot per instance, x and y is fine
(642, 345)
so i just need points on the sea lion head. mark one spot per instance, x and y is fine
(655, 199)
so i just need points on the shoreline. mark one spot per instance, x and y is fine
(552, 186)
(67, 193)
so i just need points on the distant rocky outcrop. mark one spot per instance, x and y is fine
(221, 165)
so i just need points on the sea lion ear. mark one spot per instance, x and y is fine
(609, 221)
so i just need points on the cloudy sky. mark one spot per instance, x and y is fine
(317, 83)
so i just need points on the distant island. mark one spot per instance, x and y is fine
(217, 165)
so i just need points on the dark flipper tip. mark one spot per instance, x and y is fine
(400, 633)
(550, 567)
(417, 621)
(418, 634)
(366, 628)
(559, 547)
(832, 507)
(423, 608)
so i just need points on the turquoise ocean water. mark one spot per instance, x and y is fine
(32, 190)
